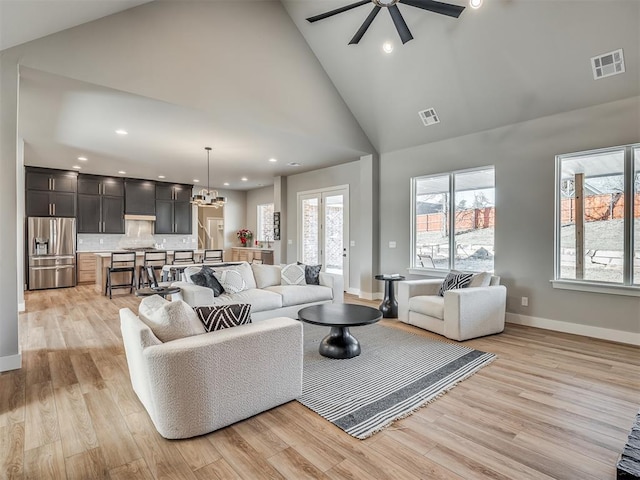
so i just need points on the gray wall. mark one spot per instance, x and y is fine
(346, 174)
(524, 159)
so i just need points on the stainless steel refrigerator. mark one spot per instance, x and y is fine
(52, 252)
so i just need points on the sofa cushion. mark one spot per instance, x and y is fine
(266, 275)
(300, 294)
(245, 272)
(217, 317)
(482, 279)
(431, 305)
(312, 273)
(292, 274)
(455, 280)
(260, 300)
(169, 320)
(205, 277)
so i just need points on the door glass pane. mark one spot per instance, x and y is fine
(310, 231)
(592, 217)
(265, 222)
(431, 222)
(334, 233)
(475, 215)
(636, 215)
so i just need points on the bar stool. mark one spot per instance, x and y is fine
(156, 260)
(121, 262)
(212, 256)
(183, 256)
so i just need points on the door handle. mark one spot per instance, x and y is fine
(53, 184)
(54, 209)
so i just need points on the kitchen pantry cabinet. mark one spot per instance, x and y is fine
(100, 204)
(173, 209)
(50, 193)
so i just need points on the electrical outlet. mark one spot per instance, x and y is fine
(101, 241)
(392, 244)
(193, 240)
(164, 240)
(352, 243)
(289, 242)
(184, 240)
(79, 241)
(525, 301)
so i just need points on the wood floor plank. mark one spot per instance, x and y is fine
(552, 406)
(45, 462)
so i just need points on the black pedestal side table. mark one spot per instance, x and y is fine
(389, 305)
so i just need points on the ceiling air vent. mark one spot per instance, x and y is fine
(608, 64)
(429, 117)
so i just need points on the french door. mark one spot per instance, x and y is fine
(323, 229)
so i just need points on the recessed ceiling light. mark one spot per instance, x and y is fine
(294, 164)
(76, 167)
(195, 180)
(122, 132)
(121, 172)
(226, 184)
(273, 160)
(161, 176)
(387, 47)
(82, 159)
(475, 3)
(244, 179)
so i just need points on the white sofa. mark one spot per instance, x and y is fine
(197, 384)
(460, 314)
(268, 298)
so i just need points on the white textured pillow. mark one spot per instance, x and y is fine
(169, 320)
(244, 269)
(231, 280)
(482, 279)
(266, 275)
(292, 274)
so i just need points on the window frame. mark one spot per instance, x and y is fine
(627, 287)
(259, 226)
(440, 272)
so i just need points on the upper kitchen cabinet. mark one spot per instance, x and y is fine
(50, 193)
(100, 204)
(173, 209)
(140, 197)
(176, 192)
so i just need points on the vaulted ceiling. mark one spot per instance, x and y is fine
(255, 80)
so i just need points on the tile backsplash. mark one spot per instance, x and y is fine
(91, 242)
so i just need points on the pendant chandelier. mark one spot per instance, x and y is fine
(207, 197)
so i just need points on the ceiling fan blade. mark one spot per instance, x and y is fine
(401, 26)
(436, 7)
(331, 13)
(367, 23)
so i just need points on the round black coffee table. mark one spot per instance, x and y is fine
(339, 316)
(162, 291)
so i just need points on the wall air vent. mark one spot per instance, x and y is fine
(429, 117)
(607, 64)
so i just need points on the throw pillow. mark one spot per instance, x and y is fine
(482, 279)
(224, 316)
(312, 273)
(206, 278)
(455, 280)
(292, 275)
(169, 320)
(231, 280)
(266, 275)
(244, 269)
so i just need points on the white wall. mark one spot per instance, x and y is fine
(524, 159)
(235, 218)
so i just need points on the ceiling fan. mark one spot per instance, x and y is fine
(405, 35)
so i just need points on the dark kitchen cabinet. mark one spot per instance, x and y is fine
(50, 193)
(140, 197)
(173, 209)
(100, 204)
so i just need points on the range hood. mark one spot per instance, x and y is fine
(151, 218)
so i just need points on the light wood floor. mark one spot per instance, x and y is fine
(551, 406)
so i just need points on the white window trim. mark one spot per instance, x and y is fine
(594, 286)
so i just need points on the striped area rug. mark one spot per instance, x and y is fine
(396, 373)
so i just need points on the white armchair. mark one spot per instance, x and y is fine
(198, 384)
(460, 315)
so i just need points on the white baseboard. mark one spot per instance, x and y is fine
(575, 328)
(11, 362)
(353, 291)
(22, 306)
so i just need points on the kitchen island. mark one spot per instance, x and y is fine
(249, 254)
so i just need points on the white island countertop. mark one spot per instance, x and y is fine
(107, 253)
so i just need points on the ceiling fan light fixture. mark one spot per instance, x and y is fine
(475, 4)
(207, 197)
(387, 47)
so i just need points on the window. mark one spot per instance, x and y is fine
(598, 217)
(265, 222)
(473, 222)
